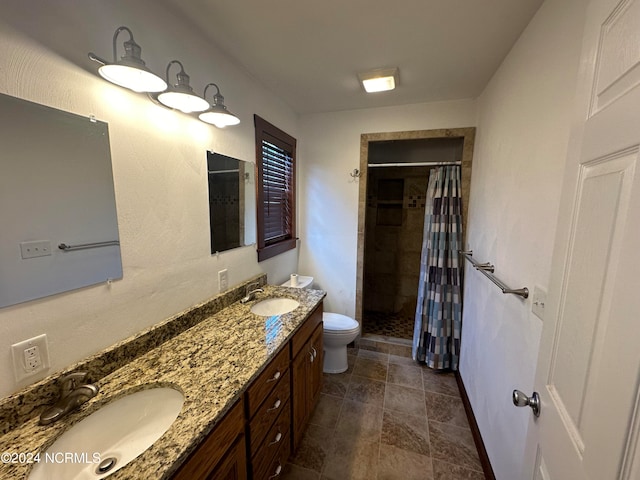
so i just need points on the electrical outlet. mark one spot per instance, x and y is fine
(40, 248)
(223, 280)
(538, 302)
(30, 357)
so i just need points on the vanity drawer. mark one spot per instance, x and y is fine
(272, 454)
(278, 433)
(267, 414)
(267, 380)
(272, 468)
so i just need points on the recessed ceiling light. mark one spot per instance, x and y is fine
(379, 80)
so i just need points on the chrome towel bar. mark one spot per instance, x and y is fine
(82, 246)
(487, 270)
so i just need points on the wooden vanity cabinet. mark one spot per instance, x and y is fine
(222, 455)
(257, 436)
(306, 374)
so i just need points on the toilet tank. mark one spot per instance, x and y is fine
(303, 282)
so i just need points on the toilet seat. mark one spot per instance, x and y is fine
(338, 324)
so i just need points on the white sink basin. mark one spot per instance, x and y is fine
(274, 306)
(120, 430)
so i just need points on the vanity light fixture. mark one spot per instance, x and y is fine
(130, 71)
(218, 114)
(180, 95)
(379, 80)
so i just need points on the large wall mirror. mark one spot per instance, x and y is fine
(57, 202)
(232, 202)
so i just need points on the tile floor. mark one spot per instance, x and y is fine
(393, 325)
(387, 418)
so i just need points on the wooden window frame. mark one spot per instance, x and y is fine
(266, 131)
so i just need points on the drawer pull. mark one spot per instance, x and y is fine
(275, 377)
(311, 357)
(275, 406)
(277, 439)
(277, 473)
(315, 352)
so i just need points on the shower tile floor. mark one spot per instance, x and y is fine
(394, 325)
(387, 418)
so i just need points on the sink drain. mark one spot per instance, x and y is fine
(106, 465)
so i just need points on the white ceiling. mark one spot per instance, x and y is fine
(309, 52)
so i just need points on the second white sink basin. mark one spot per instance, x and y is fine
(110, 437)
(274, 306)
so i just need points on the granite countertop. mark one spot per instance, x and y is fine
(211, 363)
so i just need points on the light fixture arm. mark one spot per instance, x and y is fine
(218, 99)
(131, 43)
(183, 78)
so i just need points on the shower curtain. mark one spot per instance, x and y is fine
(436, 337)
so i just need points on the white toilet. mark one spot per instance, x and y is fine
(338, 331)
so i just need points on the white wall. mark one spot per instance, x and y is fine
(329, 149)
(521, 144)
(159, 167)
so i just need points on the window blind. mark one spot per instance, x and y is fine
(277, 166)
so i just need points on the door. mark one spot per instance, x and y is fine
(589, 363)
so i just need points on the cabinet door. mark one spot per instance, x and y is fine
(299, 394)
(315, 374)
(234, 464)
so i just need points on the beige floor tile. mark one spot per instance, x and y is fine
(439, 382)
(404, 399)
(454, 445)
(294, 472)
(398, 464)
(314, 447)
(446, 409)
(336, 384)
(371, 368)
(407, 376)
(366, 390)
(408, 432)
(447, 471)
(327, 411)
(359, 462)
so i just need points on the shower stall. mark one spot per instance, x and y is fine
(397, 173)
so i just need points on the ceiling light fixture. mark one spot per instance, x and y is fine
(180, 95)
(218, 114)
(130, 71)
(379, 80)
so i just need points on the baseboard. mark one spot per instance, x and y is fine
(475, 431)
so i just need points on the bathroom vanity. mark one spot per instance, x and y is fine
(249, 382)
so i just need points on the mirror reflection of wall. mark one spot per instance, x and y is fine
(56, 187)
(231, 202)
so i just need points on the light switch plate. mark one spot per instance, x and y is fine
(539, 301)
(223, 280)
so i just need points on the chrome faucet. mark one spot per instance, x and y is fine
(251, 293)
(72, 395)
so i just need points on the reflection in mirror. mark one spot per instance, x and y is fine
(232, 205)
(56, 188)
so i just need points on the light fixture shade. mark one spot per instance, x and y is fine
(379, 80)
(130, 71)
(181, 96)
(218, 114)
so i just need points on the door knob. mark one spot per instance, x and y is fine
(521, 400)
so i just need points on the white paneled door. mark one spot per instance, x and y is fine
(589, 363)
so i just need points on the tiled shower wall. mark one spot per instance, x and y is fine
(395, 219)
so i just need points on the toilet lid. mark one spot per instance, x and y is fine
(338, 322)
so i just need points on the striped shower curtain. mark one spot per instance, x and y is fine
(436, 335)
